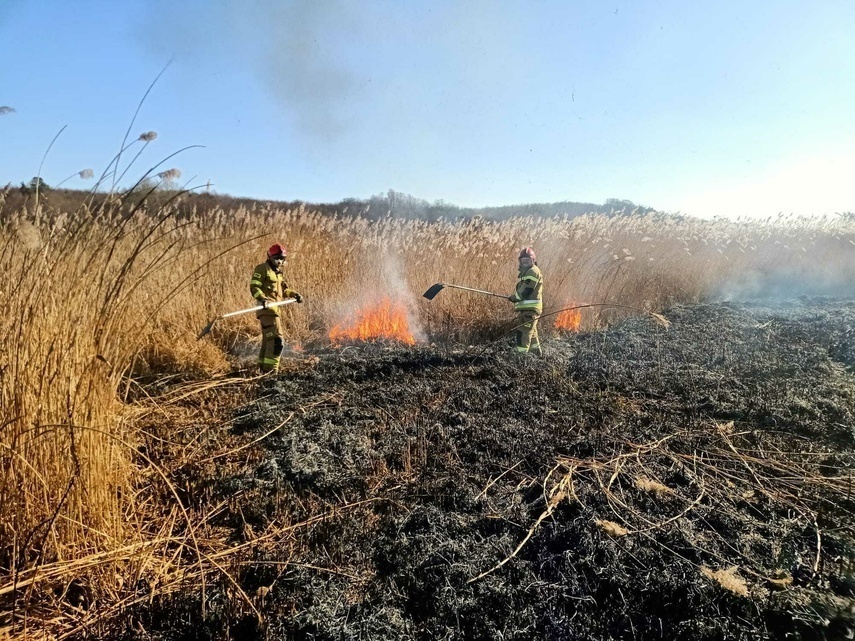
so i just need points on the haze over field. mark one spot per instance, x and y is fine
(731, 109)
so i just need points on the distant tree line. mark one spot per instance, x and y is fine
(388, 204)
(402, 205)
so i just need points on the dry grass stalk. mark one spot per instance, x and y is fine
(659, 318)
(611, 528)
(780, 582)
(558, 493)
(721, 471)
(725, 428)
(653, 487)
(728, 579)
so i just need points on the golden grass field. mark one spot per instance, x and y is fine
(96, 303)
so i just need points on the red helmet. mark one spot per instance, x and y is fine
(528, 252)
(276, 251)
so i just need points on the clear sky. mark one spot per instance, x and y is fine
(726, 107)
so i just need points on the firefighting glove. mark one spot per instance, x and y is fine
(298, 298)
(512, 299)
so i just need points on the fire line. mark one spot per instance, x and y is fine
(385, 321)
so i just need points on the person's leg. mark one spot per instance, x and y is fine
(535, 336)
(271, 343)
(524, 332)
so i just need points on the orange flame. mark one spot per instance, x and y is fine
(387, 320)
(569, 320)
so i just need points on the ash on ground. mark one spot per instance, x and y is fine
(639, 482)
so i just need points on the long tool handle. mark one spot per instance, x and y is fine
(477, 291)
(257, 308)
(207, 329)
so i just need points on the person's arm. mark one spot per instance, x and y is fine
(527, 293)
(255, 288)
(290, 293)
(526, 287)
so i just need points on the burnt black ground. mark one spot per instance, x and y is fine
(430, 465)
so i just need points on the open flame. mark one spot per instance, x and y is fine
(386, 320)
(569, 320)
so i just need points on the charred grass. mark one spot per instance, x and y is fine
(637, 482)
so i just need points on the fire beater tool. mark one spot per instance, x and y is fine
(207, 329)
(431, 293)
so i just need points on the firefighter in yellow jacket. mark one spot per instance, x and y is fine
(528, 301)
(268, 286)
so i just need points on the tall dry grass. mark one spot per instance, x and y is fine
(93, 297)
(644, 262)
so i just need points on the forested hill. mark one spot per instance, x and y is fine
(389, 203)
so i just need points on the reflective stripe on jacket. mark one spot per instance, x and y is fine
(268, 284)
(528, 295)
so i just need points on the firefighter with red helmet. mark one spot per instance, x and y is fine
(267, 286)
(528, 300)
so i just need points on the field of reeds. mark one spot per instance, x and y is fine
(102, 305)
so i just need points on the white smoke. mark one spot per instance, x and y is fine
(376, 279)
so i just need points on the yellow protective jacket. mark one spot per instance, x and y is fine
(528, 295)
(269, 284)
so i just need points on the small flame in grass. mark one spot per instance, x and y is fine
(387, 320)
(569, 320)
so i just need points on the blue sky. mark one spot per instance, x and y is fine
(725, 108)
